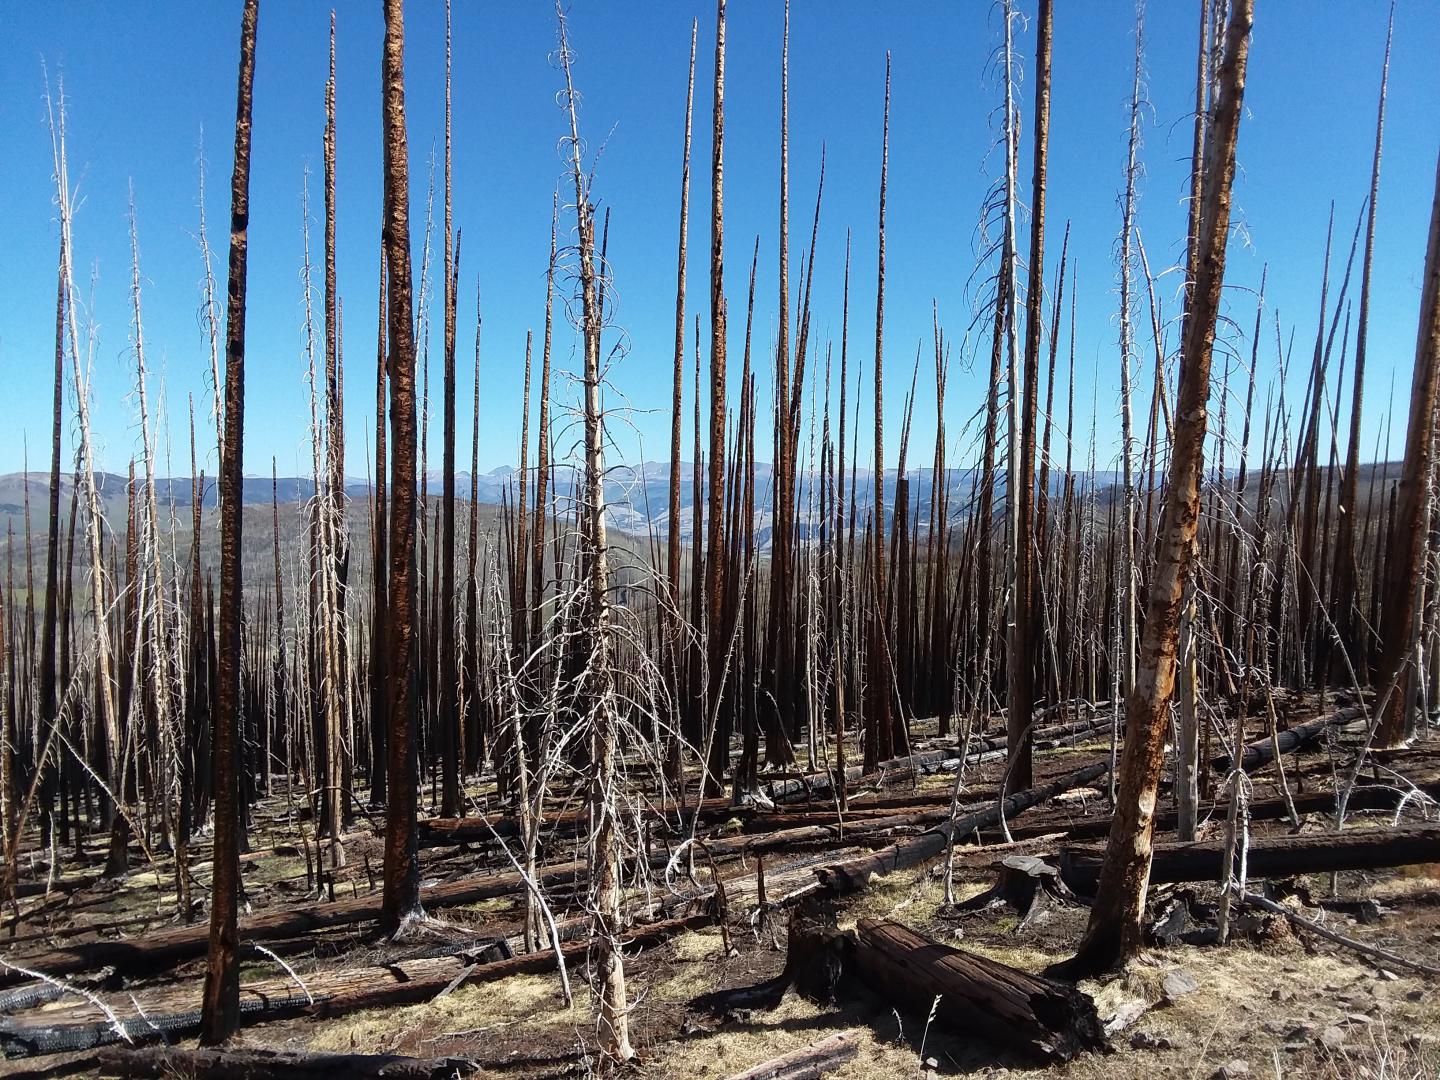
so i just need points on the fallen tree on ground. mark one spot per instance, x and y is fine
(169, 1061)
(807, 1063)
(1262, 751)
(1282, 856)
(971, 994)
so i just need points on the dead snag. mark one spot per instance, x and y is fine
(598, 691)
(1023, 642)
(1405, 561)
(1115, 934)
(220, 1012)
(402, 867)
(715, 734)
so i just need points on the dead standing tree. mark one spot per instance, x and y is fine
(220, 1015)
(598, 696)
(402, 866)
(1114, 934)
(716, 733)
(1405, 562)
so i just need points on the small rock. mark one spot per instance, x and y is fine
(1177, 984)
(1332, 1038)
(1386, 975)
(1143, 1040)
(1355, 1018)
(1300, 1033)
(1231, 1070)
(1415, 995)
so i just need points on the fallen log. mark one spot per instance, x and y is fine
(978, 996)
(807, 1063)
(1360, 849)
(438, 831)
(854, 874)
(175, 1014)
(165, 948)
(1262, 751)
(1364, 797)
(168, 1061)
(973, 995)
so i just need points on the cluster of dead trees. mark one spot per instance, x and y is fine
(824, 614)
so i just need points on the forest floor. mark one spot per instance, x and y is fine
(1274, 1002)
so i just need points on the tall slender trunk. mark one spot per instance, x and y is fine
(671, 622)
(1405, 559)
(717, 732)
(598, 698)
(1115, 933)
(1020, 664)
(401, 900)
(1347, 615)
(220, 1009)
(880, 742)
(450, 742)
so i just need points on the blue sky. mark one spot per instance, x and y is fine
(143, 80)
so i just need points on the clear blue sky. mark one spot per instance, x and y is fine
(142, 80)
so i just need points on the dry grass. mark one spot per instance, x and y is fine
(528, 1004)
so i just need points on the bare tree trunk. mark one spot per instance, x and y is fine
(671, 609)
(1345, 579)
(717, 731)
(401, 901)
(1114, 934)
(1021, 662)
(599, 696)
(220, 1010)
(1405, 561)
(879, 740)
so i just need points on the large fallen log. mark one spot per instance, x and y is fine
(978, 996)
(169, 1061)
(1283, 856)
(973, 995)
(807, 1063)
(1262, 751)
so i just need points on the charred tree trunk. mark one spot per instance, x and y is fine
(220, 1016)
(402, 866)
(1114, 932)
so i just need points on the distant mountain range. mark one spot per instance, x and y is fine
(637, 496)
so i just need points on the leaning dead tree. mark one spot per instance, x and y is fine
(1114, 933)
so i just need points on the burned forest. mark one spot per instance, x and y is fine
(1035, 673)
